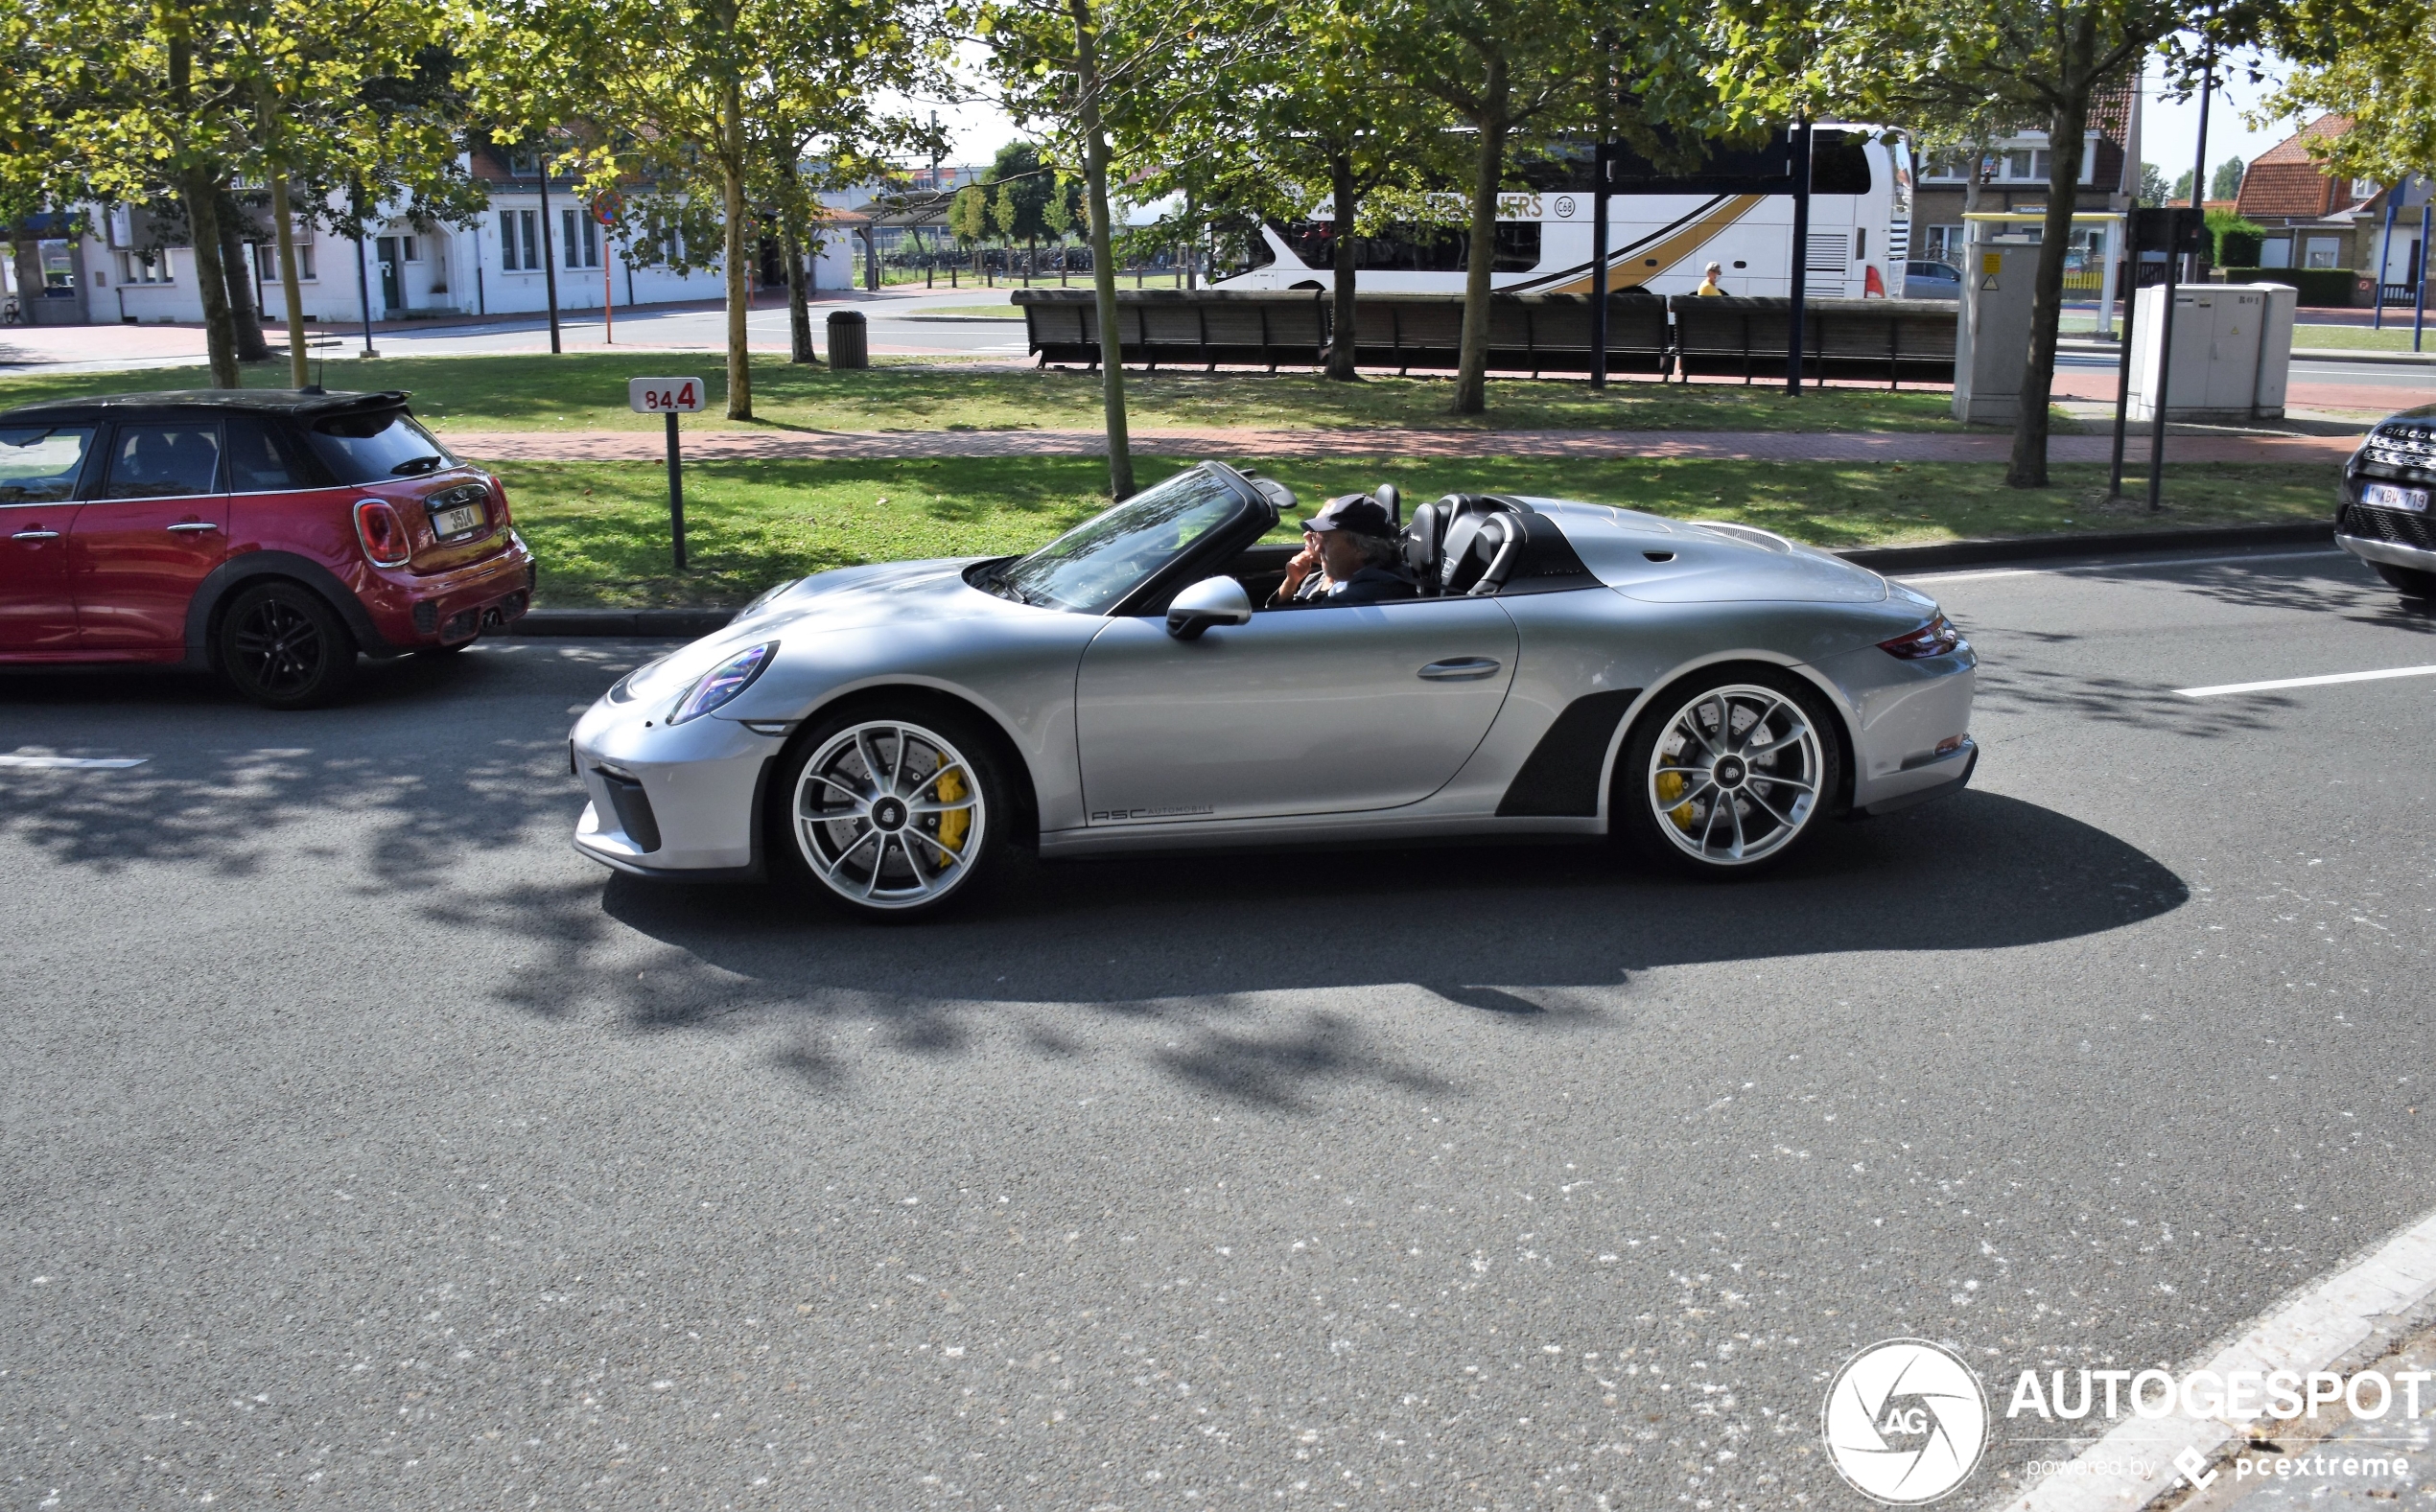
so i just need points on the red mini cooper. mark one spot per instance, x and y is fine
(269, 535)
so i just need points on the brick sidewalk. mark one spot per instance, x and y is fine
(638, 446)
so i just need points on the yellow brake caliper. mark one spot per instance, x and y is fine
(956, 824)
(1671, 786)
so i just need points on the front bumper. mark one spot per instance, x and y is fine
(682, 800)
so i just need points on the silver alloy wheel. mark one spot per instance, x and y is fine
(889, 815)
(1735, 774)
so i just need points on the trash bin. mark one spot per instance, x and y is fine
(848, 342)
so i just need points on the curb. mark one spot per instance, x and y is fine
(2091, 544)
(1893, 560)
(2357, 354)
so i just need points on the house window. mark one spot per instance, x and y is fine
(2017, 165)
(304, 262)
(523, 163)
(145, 268)
(583, 239)
(2276, 252)
(2323, 251)
(1942, 244)
(409, 250)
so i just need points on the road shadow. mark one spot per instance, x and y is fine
(440, 796)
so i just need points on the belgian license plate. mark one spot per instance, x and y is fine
(2385, 496)
(447, 522)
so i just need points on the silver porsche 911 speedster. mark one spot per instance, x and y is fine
(1707, 693)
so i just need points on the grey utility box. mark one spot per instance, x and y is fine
(2232, 351)
(1993, 340)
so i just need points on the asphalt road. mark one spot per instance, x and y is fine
(367, 1148)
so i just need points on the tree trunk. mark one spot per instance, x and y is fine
(248, 322)
(291, 287)
(740, 274)
(799, 304)
(1120, 455)
(1340, 317)
(1471, 373)
(2027, 468)
(200, 190)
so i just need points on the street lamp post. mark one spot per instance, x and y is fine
(548, 252)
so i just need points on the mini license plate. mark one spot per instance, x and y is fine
(448, 522)
(2385, 496)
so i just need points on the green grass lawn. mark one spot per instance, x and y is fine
(2395, 337)
(588, 391)
(600, 528)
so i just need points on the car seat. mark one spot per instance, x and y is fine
(1480, 543)
(1421, 541)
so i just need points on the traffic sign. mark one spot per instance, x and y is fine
(653, 396)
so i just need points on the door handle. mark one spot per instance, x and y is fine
(36, 535)
(1461, 670)
(194, 527)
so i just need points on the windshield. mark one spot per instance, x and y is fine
(377, 446)
(40, 466)
(1087, 570)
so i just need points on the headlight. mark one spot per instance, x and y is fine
(763, 597)
(722, 682)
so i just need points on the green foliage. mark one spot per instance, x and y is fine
(2153, 187)
(969, 215)
(2226, 184)
(2320, 288)
(2234, 241)
(2376, 65)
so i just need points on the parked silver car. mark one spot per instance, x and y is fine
(1709, 692)
(1926, 278)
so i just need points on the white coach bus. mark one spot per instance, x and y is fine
(1860, 234)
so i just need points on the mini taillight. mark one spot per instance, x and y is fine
(383, 533)
(1936, 638)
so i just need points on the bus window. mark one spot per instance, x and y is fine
(1414, 248)
(1838, 165)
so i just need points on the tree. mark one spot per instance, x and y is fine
(2373, 65)
(2153, 187)
(1510, 71)
(2182, 186)
(2227, 182)
(2043, 60)
(694, 88)
(1073, 64)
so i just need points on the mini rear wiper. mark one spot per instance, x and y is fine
(416, 465)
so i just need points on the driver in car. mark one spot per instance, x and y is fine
(1350, 555)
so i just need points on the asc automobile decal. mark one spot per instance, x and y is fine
(1109, 816)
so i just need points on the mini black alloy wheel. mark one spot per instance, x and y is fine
(281, 645)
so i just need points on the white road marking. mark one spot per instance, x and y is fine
(2116, 566)
(2327, 681)
(2329, 1327)
(108, 763)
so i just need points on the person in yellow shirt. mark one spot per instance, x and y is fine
(1708, 280)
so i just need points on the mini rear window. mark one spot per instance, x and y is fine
(376, 446)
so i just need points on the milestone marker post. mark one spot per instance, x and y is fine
(670, 397)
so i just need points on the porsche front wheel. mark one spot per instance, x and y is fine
(1728, 777)
(893, 813)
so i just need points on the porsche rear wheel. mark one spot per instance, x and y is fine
(1728, 776)
(895, 813)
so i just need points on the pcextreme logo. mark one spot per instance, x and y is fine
(1906, 1422)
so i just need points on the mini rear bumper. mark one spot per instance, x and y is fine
(446, 609)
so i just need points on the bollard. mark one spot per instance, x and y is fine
(848, 340)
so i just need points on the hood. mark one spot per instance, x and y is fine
(1664, 561)
(848, 598)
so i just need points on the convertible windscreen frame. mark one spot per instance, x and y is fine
(1060, 575)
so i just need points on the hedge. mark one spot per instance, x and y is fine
(2322, 287)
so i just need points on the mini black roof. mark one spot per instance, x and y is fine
(256, 401)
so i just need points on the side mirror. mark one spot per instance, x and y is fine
(1212, 601)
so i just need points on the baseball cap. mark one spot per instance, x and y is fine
(1358, 513)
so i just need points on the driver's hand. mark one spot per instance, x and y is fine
(1305, 563)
